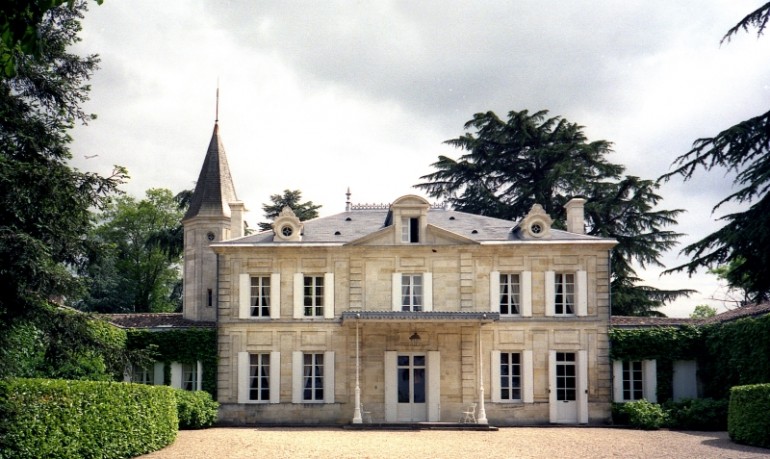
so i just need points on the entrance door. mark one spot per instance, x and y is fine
(412, 386)
(569, 382)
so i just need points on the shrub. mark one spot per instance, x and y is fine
(748, 421)
(697, 414)
(84, 419)
(644, 415)
(196, 410)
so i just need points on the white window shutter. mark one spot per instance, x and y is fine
(329, 296)
(434, 386)
(199, 380)
(329, 377)
(552, 408)
(582, 293)
(299, 300)
(243, 377)
(275, 296)
(494, 291)
(244, 296)
(617, 381)
(296, 377)
(495, 367)
(650, 380)
(550, 293)
(275, 377)
(527, 377)
(427, 292)
(176, 375)
(396, 292)
(525, 294)
(128, 372)
(582, 386)
(391, 386)
(158, 375)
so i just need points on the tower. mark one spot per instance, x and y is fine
(214, 211)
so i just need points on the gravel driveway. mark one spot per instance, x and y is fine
(515, 442)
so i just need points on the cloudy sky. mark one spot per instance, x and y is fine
(322, 96)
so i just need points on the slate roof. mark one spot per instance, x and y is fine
(350, 226)
(214, 190)
(156, 321)
(754, 310)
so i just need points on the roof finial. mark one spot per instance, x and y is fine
(347, 203)
(216, 119)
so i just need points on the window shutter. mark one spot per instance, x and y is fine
(552, 408)
(243, 377)
(527, 377)
(299, 300)
(427, 291)
(617, 381)
(275, 377)
(199, 380)
(329, 296)
(582, 293)
(550, 293)
(329, 377)
(296, 377)
(494, 291)
(495, 364)
(244, 296)
(582, 386)
(434, 386)
(525, 290)
(391, 385)
(176, 375)
(650, 380)
(275, 296)
(396, 292)
(158, 375)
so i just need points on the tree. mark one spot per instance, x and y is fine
(743, 243)
(703, 311)
(304, 211)
(511, 165)
(134, 266)
(44, 203)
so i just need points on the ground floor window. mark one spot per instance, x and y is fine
(259, 377)
(313, 377)
(510, 376)
(632, 380)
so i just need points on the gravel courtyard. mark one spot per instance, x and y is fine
(520, 442)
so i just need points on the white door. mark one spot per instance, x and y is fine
(411, 388)
(568, 387)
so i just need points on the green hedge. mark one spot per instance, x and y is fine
(196, 410)
(748, 421)
(42, 418)
(697, 414)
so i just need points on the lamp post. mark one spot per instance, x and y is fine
(482, 418)
(357, 409)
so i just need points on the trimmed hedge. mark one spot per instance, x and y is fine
(196, 410)
(697, 414)
(747, 420)
(641, 414)
(84, 419)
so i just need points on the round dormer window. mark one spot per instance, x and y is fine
(210, 236)
(536, 228)
(287, 231)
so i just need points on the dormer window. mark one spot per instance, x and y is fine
(410, 230)
(287, 227)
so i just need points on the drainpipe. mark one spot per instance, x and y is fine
(357, 397)
(482, 419)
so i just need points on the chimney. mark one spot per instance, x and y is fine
(575, 215)
(237, 209)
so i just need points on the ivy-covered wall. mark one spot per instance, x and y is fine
(729, 354)
(187, 345)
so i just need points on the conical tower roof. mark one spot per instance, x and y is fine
(214, 190)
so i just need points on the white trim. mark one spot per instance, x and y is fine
(396, 292)
(296, 377)
(244, 296)
(329, 377)
(617, 381)
(391, 387)
(243, 377)
(176, 375)
(550, 294)
(582, 386)
(527, 377)
(298, 299)
(434, 386)
(495, 379)
(427, 292)
(581, 279)
(494, 292)
(329, 296)
(158, 373)
(525, 290)
(650, 380)
(275, 296)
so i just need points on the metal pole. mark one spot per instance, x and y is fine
(482, 419)
(357, 410)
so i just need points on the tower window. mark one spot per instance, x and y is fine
(210, 299)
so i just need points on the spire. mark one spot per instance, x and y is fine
(214, 190)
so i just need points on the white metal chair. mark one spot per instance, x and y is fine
(366, 416)
(468, 415)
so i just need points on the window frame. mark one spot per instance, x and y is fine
(412, 293)
(316, 300)
(506, 282)
(261, 296)
(567, 291)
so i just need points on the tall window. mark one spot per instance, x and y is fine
(313, 377)
(632, 381)
(260, 296)
(190, 376)
(410, 229)
(566, 376)
(510, 376)
(259, 377)
(564, 301)
(141, 375)
(411, 292)
(313, 293)
(509, 294)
